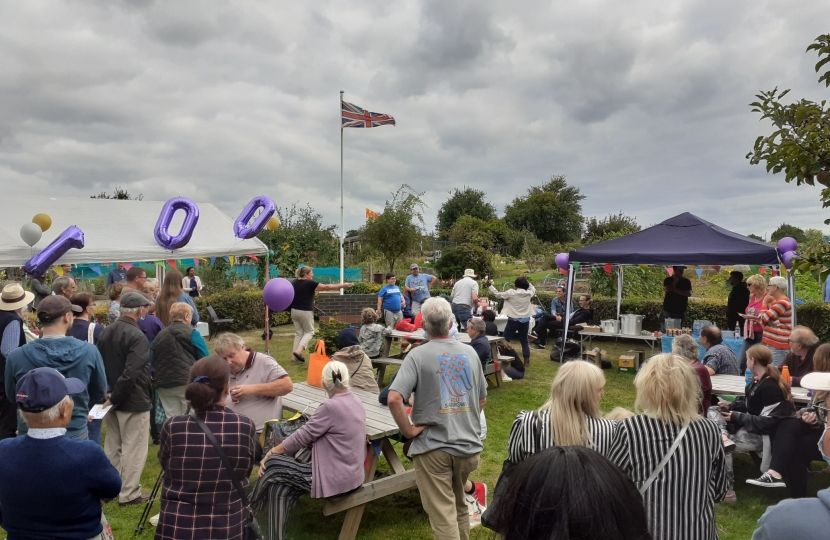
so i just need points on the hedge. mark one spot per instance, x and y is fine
(244, 305)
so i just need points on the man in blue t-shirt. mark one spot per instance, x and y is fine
(392, 300)
(119, 273)
(418, 286)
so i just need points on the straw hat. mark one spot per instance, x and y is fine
(14, 297)
(469, 272)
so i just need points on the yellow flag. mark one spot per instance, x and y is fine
(231, 259)
(644, 266)
(59, 270)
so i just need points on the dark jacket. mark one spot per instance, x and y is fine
(797, 368)
(173, 354)
(490, 328)
(126, 354)
(581, 316)
(482, 348)
(759, 395)
(73, 358)
(736, 303)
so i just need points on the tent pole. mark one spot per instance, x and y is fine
(568, 301)
(267, 321)
(791, 285)
(619, 288)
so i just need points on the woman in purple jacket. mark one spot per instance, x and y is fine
(337, 431)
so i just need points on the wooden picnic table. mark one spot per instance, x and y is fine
(379, 427)
(735, 385)
(381, 363)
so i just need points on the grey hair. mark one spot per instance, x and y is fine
(779, 282)
(152, 280)
(804, 336)
(129, 310)
(228, 341)
(437, 314)
(49, 415)
(479, 324)
(60, 284)
(341, 371)
(685, 347)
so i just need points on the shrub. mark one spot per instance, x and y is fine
(244, 305)
(453, 261)
(328, 332)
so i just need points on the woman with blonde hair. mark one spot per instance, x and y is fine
(570, 416)
(674, 456)
(753, 331)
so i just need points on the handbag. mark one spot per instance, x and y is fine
(660, 466)
(251, 530)
(316, 362)
(279, 429)
(491, 516)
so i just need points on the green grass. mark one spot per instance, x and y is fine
(402, 517)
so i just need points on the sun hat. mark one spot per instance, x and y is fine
(55, 306)
(469, 272)
(43, 388)
(14, 297)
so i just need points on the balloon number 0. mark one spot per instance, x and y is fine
(191, 217)
(72, 237)
(240, 226)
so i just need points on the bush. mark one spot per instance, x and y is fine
(328, 332)
(244, 305)
(453, 261)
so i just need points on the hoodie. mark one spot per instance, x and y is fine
(73, 358)
(796, 518)
(359, 366)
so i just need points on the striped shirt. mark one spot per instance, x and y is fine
(522, 441)
(680, 503)
(778, 324)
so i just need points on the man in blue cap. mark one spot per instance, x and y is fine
(51, 486)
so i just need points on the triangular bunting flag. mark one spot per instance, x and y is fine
(762, 270)
(670, 271)
(172, 263)
(699, 272)
(608, 268)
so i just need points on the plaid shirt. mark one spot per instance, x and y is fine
(199, 500)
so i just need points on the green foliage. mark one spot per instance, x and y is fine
(244, 305)
(800, 144)
(328, 332)
(611, 226)
(756, 237)
(637, 282)
(118, 194)
(784, 230)
(217, 277)
(453, 261)
(397, 230)
(463, 202)
(493, 235)
(552, 211)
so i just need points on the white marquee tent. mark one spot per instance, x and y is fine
(116, 230)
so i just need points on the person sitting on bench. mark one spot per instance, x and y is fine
(583, 314)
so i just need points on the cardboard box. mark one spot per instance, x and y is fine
(596, 357)
(628, 363)
(592, 329)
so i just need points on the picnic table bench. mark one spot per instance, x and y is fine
(379, 427)
(381, 363)
(735, 385)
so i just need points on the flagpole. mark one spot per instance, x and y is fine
(342, 222)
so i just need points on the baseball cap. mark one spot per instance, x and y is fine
(54, 307)
(43, 388)
(413, 266)
(134, 299)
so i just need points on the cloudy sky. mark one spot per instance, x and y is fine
(642, 104)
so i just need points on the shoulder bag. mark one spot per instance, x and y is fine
(491, 515)
(279, 429)
(251, 530)
(660, 466)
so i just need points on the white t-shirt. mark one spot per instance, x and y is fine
(463, 290)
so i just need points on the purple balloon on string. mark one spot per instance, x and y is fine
(787, 259)
(240, 226)
(278, 294)
(72, 237)
(562, 261)
(787, 244)
(191, 217)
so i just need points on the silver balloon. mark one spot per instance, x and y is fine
(31, 233)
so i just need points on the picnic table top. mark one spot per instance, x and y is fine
(388, 361)
(462, 337)
(379, 421)
(736, 385)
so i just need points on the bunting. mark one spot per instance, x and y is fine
(608, 268)
(670, 271)
(172, 264)
(699, 272)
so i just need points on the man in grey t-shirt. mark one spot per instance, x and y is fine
(447, 377)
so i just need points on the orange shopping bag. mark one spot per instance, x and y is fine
(316, 362)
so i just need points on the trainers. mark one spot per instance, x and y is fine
(730, 497)
(505, 377)
(481, 493)
(766, 480)
(537, 345)
(474, 510)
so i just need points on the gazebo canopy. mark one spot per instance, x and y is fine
(683, 239)
(116, 230)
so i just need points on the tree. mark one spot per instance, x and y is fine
(756, 237)
(453, 261)
(786, 229)
(397, 230)
(800, 144)
(119, 194)
(466, 201)
(552, 211)
(611, 226)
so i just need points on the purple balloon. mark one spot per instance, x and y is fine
(278, 294)
(787, 259)
(787, 244)
(562, 260)
(73, 237)
(240, 226)
(191, 217)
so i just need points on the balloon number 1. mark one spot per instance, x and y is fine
(240, 226)
(72, 237)
(191, 217)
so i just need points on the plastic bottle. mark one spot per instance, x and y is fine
(785, 374)
(737, 330)
(748, 377)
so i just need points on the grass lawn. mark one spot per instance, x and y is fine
(402, 517)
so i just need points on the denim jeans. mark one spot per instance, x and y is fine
(514, 328)
(747, 344)
(462, 314)
(778, 356)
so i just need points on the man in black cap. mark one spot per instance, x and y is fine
(51, 486)
(126, 353)
(678, 290)
(71, 357)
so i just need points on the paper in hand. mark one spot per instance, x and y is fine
(98, 412)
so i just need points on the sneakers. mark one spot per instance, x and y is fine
(476, 503)
(766, 480)
(143, 498)
(505, 377)
(730, 497)
(537, 345)
(481, 493)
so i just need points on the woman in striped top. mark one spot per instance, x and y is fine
(680, 503)
(777, 320)
(570, 416)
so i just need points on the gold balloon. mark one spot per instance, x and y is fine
(273, 224)
(43, 221)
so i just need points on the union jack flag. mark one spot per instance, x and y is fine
(353, 116)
